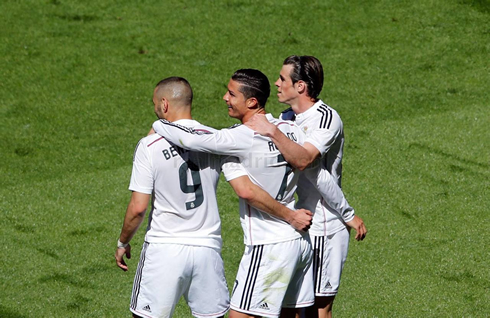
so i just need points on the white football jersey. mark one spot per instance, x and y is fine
(262, 161)
(184, 208)
(324, 130)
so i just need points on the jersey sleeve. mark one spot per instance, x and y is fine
(233, 169)
(141, 176)
(325, 135)
(331, 192)
(224, 142)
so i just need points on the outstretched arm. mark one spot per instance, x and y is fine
(260, 199)
(335, 199)
(135, 215)
(223, 142)
(296, 155)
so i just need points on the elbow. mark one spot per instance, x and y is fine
(140, 213)
(138, 210)
(301, 167)
(245, 193)
(303, 164)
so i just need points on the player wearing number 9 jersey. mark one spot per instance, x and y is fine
(275, 268)
(184, 183)
(181, 253)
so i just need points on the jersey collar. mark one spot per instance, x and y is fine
(309, 112)
(186, 122)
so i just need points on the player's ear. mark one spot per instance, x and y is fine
(252, 102)
(165, 104)
(301, 86)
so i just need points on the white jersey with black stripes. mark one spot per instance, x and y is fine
(324, 130)
(184, 184)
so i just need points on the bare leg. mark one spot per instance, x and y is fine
(322, 308)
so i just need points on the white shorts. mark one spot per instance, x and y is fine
(274, 276)
(330, 253)
(168, 271)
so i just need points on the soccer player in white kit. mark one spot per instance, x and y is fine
(181, 253)
(272, 271)
(299, 84)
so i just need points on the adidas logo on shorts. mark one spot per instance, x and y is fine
(147, 308)
(329, 285)
(264, 306)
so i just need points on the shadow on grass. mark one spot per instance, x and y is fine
(78, 17)
(19, 225)
(465, 277)
(65, 279)
(429, 149)
(78, 303)
(47, 252)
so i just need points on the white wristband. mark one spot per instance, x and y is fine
(121, 244)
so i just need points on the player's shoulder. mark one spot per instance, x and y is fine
(191, 126)
(151, 140)
(148, 144)
(325, 110)
(325, 116)
(286, 126)
(238, 130)
(280, 121)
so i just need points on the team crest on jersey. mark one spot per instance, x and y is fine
(305, 128)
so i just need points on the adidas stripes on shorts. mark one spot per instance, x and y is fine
(273, 276)
(329, 255)
(168, 271)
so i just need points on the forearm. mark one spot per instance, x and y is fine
(222, 142)
(259, 198)
(131, 224)
(263, 201)
(331, 193)
(295, 154)
(298, 219)
(183, 136)
(135, 214)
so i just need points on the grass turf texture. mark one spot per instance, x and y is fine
(409, 78)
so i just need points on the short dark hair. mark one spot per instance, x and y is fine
(186, 90)
(309, 70)
(254, 83)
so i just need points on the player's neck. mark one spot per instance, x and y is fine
(252, 112)
(178, 116)
(303, 104)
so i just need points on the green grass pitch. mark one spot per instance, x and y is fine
(410, 80)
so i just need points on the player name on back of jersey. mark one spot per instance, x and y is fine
(290, 135)
(173, 151)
